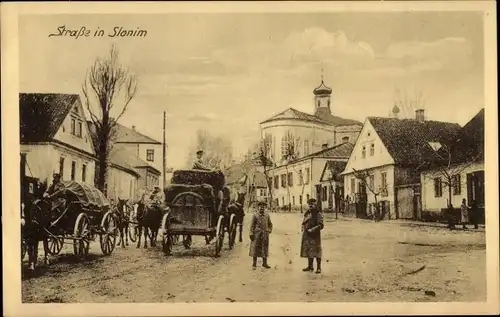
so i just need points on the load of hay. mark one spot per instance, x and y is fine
(205, 191)
(215, 179)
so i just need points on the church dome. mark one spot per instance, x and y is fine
(322, 89)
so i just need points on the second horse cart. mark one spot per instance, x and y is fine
(198, 203)
(83, 216)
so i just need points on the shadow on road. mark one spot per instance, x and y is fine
(58, 264)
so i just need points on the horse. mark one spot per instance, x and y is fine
(122, 213)
(148, 218)
(236, 208)
(35, 218)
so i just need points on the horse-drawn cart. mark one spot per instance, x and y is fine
(197, 205)
(82, 215)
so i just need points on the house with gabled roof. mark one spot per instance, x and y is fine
(332, 186)
(297, 181)
(145, 148)
(310, 131)
(247, 177)
(389, 153)
(54, 137)
(456, 171)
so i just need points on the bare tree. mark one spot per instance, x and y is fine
(218, 151)
(110, 84)
(291, 155)
(369, 183)
(265, 159)
(408, 103)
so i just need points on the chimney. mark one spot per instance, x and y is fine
(419, 115)
(133, 127)
(324, 146)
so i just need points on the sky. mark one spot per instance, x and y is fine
(225, 73)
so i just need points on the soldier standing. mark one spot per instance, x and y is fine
(260, 228)
(311, 236)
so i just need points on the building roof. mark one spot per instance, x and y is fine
(342, 150)
(325, 115)
(336, 166)
(127, 135)
(259, 180)
(468, 145)
(41, 115)
(322, 89)
(234, 173)
(407, 140)
(321, 118)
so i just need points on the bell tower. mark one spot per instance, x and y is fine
(322, 99)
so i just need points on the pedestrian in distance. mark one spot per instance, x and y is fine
(311, 236)
(464, 213)
(260, 228)
(474, 214)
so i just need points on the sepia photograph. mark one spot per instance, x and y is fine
(251, 154)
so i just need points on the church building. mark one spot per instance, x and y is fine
(310, 132)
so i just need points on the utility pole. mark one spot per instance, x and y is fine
(164, 149)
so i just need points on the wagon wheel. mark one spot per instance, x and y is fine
(219, 235)
(108, 233)
(232, 231)
(166, 237)
(54, 245)
(24, 249)
(187, 240)
(81, 234)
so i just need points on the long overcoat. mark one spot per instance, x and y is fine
(311, 241)
(260, 227)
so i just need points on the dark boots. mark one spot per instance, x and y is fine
(310, 267)
(264, 263)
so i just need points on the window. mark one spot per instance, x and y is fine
(61, 166)
(306, 147)
(345, 139)
(455, 180)
(293, 200)
(372, 149)
(318, 104)
(79, 131)
(73, 126)
(276, 182)
(300, 199)
(307, 176)
(363, 152)
(283, 147)
(283, 180)
(438, 187)
(150, 155)
(383, 183)
(301, 181)
(324, 193)
(84, 172)
(307, 197)
(73, 170)
(290, 179)
(371, 181)
(283, 201)
(353, 185)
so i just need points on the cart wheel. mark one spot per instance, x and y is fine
(55, 245)
(108, 233)
(232, 231)
(166, 237)
(24, 249)
(219, 235)
(81, 232)
(187, 240)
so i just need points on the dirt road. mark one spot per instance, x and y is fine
(363, 261)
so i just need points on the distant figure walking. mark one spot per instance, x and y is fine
(311, 236)
(260, 228)
(464, 213)
(474, 214)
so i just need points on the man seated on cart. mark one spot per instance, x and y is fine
(55, 193)
(198, 162)
(157, 199)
